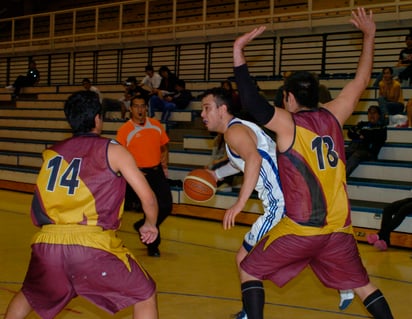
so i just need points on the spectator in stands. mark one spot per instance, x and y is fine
(32, 78)
(169, 80)
(409, 112)
(324, 93)
(151, 81)
(390, 98)
(278, 100)
(147, 140)
(392, 216)
(78, 203)
(87, 85)
(125, 103)
(167, 103)
(227, 85)
(131, 85)
(367, 138)
(404, 61)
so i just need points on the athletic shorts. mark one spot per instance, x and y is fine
(58, 273)
(334, 258)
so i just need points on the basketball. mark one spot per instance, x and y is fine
(199, 185)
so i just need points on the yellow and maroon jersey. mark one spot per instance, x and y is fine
(312, 172)
(76, 185)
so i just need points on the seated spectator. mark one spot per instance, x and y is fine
(227, 85)
(278, 100)
(125, 103)
(404, 60)
(131, 85)
(168, 81)
(367, 138)
(409, 113)
(151, 81)
(87, 85)
(392, 216)
(390, 98)
(166, 103)
(32, 78)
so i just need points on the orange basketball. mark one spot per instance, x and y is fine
(199, 185)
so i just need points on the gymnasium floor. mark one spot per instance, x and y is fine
(196, 274)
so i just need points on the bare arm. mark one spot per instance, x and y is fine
(164, 159)
(345, 103)
(242, 140)
(122, 161)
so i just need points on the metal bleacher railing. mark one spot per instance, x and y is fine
(106, 41)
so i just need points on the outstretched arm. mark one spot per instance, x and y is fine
(279, 121)
(122, 161)
(345, 103)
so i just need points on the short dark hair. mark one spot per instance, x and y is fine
(86, 80)
(305, 88)
(164, 68)
(181, 83)
(221, 96)
(376, 108)
(140, 97)
(81, 109)
(149, 67)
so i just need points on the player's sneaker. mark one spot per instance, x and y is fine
(372, 238)
(346, 297)
(380, 245)
(240, 315)
(10, 87)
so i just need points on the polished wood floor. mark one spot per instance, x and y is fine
(196, 274)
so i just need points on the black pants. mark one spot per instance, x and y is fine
(20, 82)
(160, 186)
(393, 215)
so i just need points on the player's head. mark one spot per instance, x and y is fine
(81, 109)
(221, 96)
(305, 88)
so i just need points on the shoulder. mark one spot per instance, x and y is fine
(125, 126)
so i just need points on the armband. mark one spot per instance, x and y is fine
(226, 170)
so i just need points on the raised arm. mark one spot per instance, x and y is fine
(280, 121)
(345, 103)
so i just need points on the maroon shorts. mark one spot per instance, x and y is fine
(58, 273)
(334, 258)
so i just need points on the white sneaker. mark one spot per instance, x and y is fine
(346, 298)
(10, 87)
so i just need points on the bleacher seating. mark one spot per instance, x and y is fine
(100, 51)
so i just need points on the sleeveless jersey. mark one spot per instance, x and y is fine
(313, 176)
(268, 185)
(76, 185)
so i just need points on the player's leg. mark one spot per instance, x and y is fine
(18, 307)
(374, 301)
(146, 309)
(253, 295)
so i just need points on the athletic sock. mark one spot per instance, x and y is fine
(253, 296)
(377, 305)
